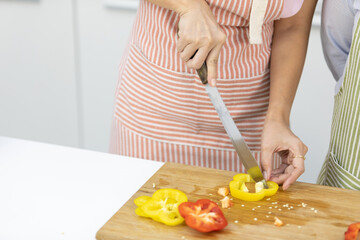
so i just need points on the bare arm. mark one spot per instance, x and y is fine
(287, 59)
(289, 47)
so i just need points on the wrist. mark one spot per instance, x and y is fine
(278, 114)
(183, 6)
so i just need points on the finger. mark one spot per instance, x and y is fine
(188, 52)
(297, 148)
(295, 174)
(182, 43)
(197, 61)
(212, 65)
(280, 169)
(266, 161)
(280, 178)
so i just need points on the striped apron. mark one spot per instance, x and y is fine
(162, 111)
(342, 164)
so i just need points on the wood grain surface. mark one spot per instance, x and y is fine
(308, 211)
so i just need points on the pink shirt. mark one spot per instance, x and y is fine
(291, 7)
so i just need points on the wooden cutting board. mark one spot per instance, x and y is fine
(313, 211)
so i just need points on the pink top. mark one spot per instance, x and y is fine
(290, 8)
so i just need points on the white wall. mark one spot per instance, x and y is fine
(313, 106)
(103, 33)
(59, 66)
(37, 71)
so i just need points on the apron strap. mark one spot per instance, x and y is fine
(258, 10)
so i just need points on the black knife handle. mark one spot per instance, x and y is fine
(203, 73)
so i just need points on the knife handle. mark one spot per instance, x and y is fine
(203, 73)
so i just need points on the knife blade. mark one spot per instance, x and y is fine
(231, 129)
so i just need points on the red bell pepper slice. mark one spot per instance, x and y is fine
(353, 231)
(203, 215)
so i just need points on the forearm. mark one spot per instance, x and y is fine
(287, 60)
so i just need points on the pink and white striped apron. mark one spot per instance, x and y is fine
(162, 111)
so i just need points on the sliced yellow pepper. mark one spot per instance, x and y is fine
(162, 206)
(237, 192)
(139, 202)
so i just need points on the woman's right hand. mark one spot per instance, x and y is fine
(199, 33)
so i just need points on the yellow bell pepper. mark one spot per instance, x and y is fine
(162, 206)
(237, 192)
(139, 202)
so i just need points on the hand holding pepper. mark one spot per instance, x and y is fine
(278, 138)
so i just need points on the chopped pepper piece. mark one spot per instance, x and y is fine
(353, 231)
(204, 215)
(226, 202)
(238, 188)
(278, 222)
(162, 206)
(248, 187)
(223, 191)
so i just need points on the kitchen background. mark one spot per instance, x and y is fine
(59, 64)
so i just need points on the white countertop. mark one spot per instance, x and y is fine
(54, 192)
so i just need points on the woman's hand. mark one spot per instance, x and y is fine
(278, 138)
(286, 65)
(200, 34)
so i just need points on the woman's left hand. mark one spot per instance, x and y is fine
(278, 138)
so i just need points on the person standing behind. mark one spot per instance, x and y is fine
(340, 33)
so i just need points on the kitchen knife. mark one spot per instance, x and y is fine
(233, 132)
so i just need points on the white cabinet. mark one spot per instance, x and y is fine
(58, 69)
(123, 4)
(38, 88)
(103, 34)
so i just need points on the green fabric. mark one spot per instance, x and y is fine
(342, 164)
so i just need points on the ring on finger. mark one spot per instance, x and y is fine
(300, 156)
